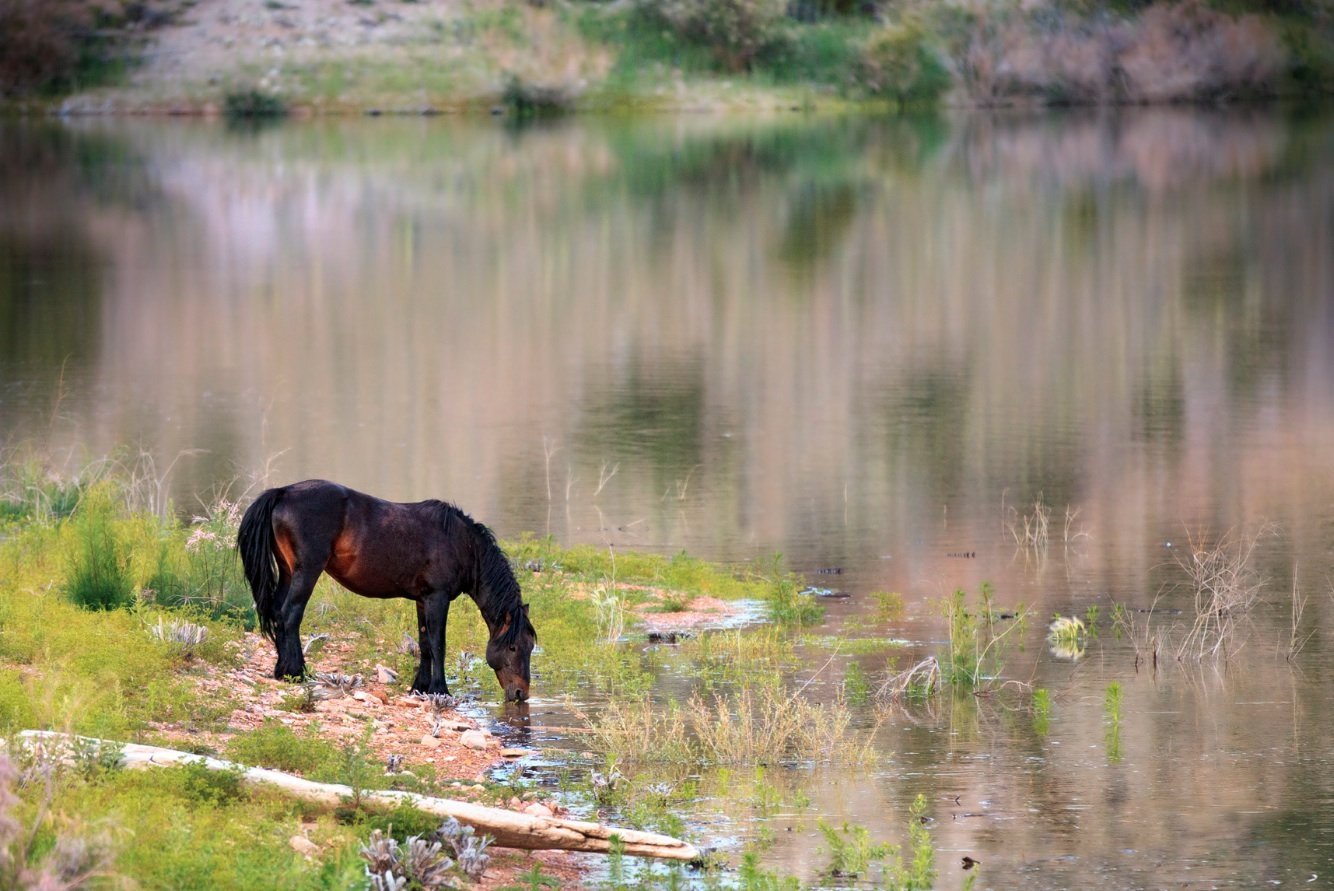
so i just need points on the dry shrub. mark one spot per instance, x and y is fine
(1186, 51)
(757, 724)
(1172, 52)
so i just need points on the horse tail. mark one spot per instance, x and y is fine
(258, 548)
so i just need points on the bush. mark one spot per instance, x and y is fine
(735, 31)
(276, 746)
(205, 573)
(253, 103)
(897, 63)
(99, 572)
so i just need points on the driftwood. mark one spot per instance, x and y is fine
(509, 829)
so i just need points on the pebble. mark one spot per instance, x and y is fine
(476, 739)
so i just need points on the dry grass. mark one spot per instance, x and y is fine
(757, 724)
(1226, 587)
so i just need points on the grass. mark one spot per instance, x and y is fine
(852, 854)
(1224, 587)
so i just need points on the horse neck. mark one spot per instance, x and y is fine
(494, 589)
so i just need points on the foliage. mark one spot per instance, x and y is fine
(979, 639)
(276, 746)
(98, 576)
(253, 103)
(55, 45)
(851, 852)
(73, 861)
(735, 31)
(425, 862)
(898, 63)
(1112, 717)
(1041, 711)
(203, 572)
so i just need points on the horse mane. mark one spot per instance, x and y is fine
(494, 576)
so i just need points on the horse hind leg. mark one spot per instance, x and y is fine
(300, 580)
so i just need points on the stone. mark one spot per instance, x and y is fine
(538, 810)
(514, 753)
(430, 742)
(476, 739)
(303, 846)
(385, 675)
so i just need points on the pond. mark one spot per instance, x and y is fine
(1064, 355)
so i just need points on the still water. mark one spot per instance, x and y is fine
(868, 345)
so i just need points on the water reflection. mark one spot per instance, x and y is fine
(865, 344)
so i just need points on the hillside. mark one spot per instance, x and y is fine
(425, 56)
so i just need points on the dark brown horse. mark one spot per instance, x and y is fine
(429, 552)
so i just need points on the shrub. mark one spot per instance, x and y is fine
(205, 573)
(99, 571)
(43, 43)
(253, 103)
(276, 746)
(897, 63)
(735, 31)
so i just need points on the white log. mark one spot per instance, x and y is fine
(509, 829)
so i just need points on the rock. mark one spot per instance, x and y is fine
(538, 810)
(430, 742)
(385, 675)
(514, 753)
(303, 846)
(476, 739)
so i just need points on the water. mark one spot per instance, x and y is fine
(868, 345)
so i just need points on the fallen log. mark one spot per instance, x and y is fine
(509, 829)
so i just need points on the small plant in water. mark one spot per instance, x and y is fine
(1066, 635)
(1112, 715)
(851, 852)
(1041, 711)
(978, 641)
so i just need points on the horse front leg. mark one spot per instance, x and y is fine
(432, 613)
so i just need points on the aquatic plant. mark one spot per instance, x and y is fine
(1041, 705)
(1067, 635)
(852, 854)
(1224, 588)
(1112, 717)
(978, 638)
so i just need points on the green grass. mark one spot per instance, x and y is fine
(117, 674)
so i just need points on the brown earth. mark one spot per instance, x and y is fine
(403, 726)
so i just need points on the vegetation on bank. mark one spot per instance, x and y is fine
(538, 59)
(113, 609)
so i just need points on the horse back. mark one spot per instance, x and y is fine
(371, 546)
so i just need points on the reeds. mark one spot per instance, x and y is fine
(1225, 587)
(756, 724)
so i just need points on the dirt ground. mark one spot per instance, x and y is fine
(403, 726)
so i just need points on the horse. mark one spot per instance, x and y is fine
(429, 552)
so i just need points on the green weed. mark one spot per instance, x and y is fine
(1112, 719)
(1041, 711)
(888, 606)
(277, 746)
(851, 852)
(978, 639)
(856, 686)
(98, 575)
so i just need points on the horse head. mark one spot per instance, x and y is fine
(509, 651)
